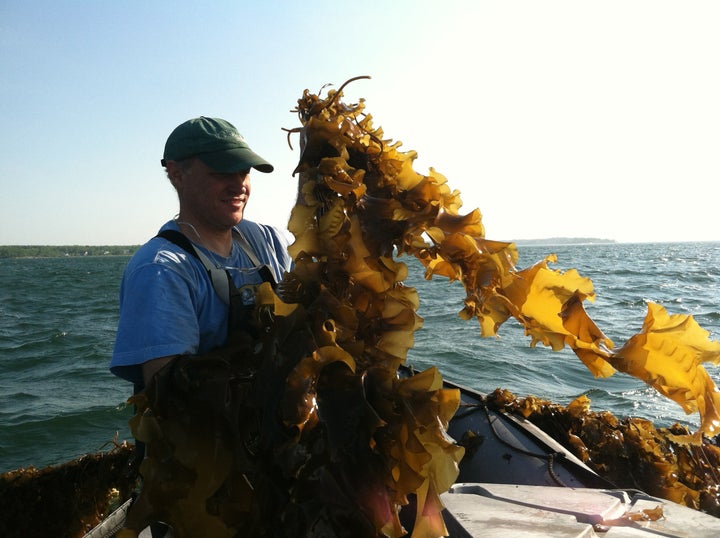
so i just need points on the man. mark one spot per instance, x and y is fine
(175, 297)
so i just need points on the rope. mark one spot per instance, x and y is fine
(550, 458)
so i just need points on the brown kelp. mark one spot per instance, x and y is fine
(69, 499)
(630, 452)
(304, 427)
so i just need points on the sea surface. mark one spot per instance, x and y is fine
(58, 317)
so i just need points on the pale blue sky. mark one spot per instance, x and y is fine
(554, 118)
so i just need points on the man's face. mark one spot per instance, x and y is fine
(213, 200)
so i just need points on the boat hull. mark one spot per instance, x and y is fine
(506, 449)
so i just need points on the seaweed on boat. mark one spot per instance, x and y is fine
(630, 452)
(66, 500)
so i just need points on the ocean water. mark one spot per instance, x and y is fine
(58, 400)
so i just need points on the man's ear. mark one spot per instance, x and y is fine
(174, 172)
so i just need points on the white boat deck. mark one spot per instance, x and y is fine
(506, 510)
(521, 511)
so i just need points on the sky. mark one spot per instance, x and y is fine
(554, 118)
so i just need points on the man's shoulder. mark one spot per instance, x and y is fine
(250, 226)
(269, 243)
(160, 251)
(259, 233)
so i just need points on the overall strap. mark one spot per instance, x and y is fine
(246, 246)
(220, 278)
(264, 271)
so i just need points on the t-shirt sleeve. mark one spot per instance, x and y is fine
(157, 319)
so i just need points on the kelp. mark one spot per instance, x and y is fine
(68, 499)
(630, 452)
(306, 429)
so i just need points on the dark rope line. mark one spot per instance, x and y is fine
(550, 458)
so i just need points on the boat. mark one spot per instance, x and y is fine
(518, 481)
(515, 480)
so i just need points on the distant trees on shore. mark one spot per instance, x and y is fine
(57, 251)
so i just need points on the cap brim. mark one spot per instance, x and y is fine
(234, 160)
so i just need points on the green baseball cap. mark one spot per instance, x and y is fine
(215, 142)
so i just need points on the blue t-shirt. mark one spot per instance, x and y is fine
(168, 305)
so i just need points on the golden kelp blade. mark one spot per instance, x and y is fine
(668, 355)
(428, 450)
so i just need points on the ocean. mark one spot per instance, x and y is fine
(58, 316)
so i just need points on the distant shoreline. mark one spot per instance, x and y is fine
(564, 241)
(65, 251)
